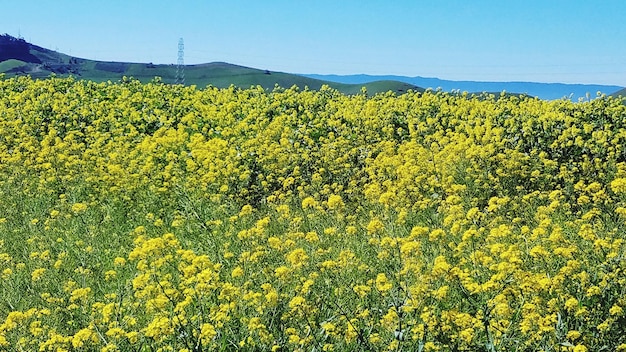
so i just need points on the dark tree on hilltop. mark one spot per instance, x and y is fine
(16, 48)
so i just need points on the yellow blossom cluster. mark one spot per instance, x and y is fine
(170, 218)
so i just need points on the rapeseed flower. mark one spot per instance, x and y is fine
(382, 283)
(305, 219)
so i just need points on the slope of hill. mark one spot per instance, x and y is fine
(18, 57)
(542, 90)
(621, 92)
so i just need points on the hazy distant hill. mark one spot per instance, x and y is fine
(18, 57)
(542, 90)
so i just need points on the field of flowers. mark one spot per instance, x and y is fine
(152, 217)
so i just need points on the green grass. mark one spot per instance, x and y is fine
(222, 75)
(218, 74)
(10, 64)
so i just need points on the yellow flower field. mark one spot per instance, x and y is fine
(152, 217)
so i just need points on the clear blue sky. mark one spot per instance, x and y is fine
(506, 40)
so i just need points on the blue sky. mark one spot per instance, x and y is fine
(530, 40)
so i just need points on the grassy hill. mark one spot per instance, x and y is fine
(18, 57)
(621, 92)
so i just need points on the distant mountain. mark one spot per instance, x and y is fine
(547, 91)
(18, 57)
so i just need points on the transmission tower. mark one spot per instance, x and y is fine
(180, 64)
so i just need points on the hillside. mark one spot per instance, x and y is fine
(621, 92)
(18, 57)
